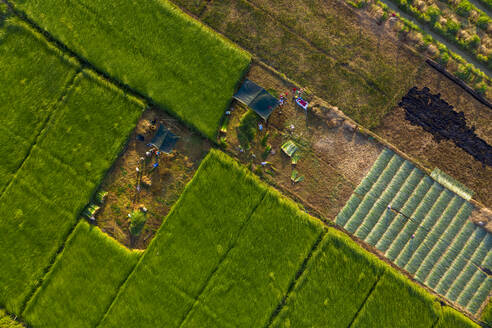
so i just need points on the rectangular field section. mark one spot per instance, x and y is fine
(325, 295)
(423, 228)
(83, 281)
(152, 47)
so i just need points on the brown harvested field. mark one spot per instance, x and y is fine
(349, 60)
(417, 143)
(334, 158)
(167, 181)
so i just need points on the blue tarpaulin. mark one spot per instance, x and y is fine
(164, 140)
(256, 98)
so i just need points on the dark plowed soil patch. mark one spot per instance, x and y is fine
(434, 115)
(421, 145)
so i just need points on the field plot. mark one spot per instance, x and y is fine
(29, 98)
(324, 296)
(82, 282)
(423, 228)
(224, 225)
(74, 146)
(155, 49)
(395, 302)
(167, 181)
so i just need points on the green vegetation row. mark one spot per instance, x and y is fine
(423, 228)
(487, 3)
(70, 126)
(438, 51)
(451, 27)
(152, 47)
(82, 282)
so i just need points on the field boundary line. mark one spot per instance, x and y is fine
(65, 93)
(222, 259)
(120, 287)
(297, 276)
(365, 299)
(54, 108)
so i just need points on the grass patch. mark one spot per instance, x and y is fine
(83, 281)
(27, 97)
(396, 302)
(155, 49)
(267, 256)
(326, 295)
(450, 318)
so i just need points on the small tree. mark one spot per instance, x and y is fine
(137, 222)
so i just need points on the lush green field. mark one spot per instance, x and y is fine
(225, 225)
(29, 98)
(152, 47)
(77, 136)
(83, 281)
(450, 319)
(7, 322)
(395, 302)
(266, 256)
(326, 295)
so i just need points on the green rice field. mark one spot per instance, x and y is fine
(83, 281)
(69, 145)
(152, 47)
(423, 228)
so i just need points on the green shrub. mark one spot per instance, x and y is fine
(137, 222)
(483, 22)
(452, 28)
(433, 12)
(247, 128)
(473, 42)
(444, 58)
(481, 88)
(464, 72)
(464, 8)
(482, 58)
